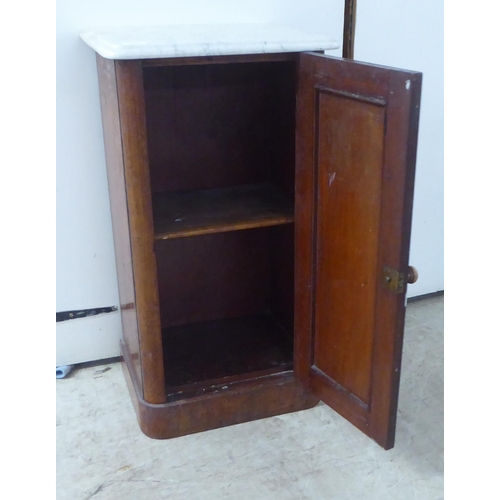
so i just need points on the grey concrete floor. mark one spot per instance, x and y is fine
(313, 454)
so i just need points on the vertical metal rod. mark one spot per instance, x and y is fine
(349, 29)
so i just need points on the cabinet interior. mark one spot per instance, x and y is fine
(221, 147)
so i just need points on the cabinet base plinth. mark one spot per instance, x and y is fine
(250, 400)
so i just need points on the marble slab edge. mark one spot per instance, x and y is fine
(197, 40)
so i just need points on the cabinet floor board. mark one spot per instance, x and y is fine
(209, 351)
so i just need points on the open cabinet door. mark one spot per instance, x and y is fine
(356, 147)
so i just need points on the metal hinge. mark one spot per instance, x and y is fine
(393, 280)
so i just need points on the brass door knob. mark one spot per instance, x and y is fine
(412, 275)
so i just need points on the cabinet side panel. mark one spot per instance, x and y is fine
(130, 92)
(119, 212)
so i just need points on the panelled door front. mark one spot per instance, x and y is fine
(356, 147)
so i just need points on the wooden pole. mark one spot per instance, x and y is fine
(349, 29)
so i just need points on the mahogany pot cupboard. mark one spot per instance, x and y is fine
(261, 209)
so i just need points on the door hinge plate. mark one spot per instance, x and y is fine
(393, 280)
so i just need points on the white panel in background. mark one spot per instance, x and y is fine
(409, 35)
(88, 339)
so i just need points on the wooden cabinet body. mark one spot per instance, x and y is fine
(261, 211)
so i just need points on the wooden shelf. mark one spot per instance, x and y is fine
(209, 351)
(177, 215)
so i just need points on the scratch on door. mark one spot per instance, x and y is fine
(331, 178)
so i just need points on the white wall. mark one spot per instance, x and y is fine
(86, 275)
(409, 34)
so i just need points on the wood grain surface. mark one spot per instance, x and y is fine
(356, 138)
(178, 215)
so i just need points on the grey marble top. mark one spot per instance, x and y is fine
(201, 40)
